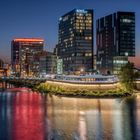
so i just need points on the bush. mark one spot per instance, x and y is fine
(62, 90)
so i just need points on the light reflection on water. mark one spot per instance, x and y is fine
(25, 115)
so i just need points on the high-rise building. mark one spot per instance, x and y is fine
(75, 42)
(22, 55)
(115, 39)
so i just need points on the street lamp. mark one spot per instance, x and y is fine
(82, 70)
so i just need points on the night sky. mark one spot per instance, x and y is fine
(39, 18)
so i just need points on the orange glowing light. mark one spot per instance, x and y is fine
(28, 40)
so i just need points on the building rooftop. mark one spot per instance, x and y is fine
(28, 40)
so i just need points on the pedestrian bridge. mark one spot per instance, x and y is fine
(27, 82)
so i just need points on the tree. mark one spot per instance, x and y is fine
(127, 77)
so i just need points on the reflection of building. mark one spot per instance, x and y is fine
(86, 118)
(115, 37)
(29, 113)
(75, 44)
(22, 52)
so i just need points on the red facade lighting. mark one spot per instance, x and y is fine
(28, 40)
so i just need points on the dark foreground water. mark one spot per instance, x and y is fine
(25, 115)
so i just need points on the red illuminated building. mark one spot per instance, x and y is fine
(22, 52)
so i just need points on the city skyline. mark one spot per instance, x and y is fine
(40, 19)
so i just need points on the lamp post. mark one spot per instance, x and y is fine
(82, 70)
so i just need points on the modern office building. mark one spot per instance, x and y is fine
(47, 63)
(75, 41)
(115, 39)
(22, 55)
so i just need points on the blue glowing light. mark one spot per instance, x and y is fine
(81, 11)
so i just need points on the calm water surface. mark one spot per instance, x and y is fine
(25, 115)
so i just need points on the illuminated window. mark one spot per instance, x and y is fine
(126, 20)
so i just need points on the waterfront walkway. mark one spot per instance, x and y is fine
(36, 81)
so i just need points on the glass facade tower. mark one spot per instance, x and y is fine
(75, 42)
(115, 39)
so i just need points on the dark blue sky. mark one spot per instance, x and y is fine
(39, 18)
